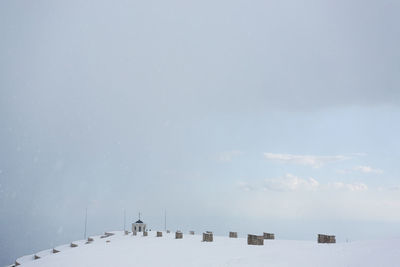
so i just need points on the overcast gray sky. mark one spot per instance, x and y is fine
(277, 116)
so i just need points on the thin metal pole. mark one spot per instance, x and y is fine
(124, 220)
(165, 220)
(84, 236)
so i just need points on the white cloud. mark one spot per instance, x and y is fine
(363, 169)
(395, 188)
(227, 156)
(314, 161)
(367, 169)
(360, 154)
(291, 183)
(349, 186)
(245, 186)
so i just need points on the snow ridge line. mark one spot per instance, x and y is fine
(61, 248)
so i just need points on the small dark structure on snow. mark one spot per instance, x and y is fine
(159, 234)
(255, 240)
(232, 234)
(326, 239)
(178, 235)
(106, 234)
(269, 236)
(73, 245)
(208, 237)
(145, 233)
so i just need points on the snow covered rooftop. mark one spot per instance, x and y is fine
(127, 250)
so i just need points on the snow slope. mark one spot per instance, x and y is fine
(127, 250)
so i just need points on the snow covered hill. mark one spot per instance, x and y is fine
(127, 250)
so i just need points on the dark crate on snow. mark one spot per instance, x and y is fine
(329, 239)
(178, 235)
(159, 234)
(269, 236)
(233, 234)
(108, 234)
(208, 237)
(255, 240)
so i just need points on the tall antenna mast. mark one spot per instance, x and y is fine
(124, 220)
(165, 220)
(84, 235)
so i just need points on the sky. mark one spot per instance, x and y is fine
(275, 116)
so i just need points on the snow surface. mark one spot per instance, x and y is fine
(128, 250)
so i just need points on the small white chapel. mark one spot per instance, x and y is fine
(138, 226)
